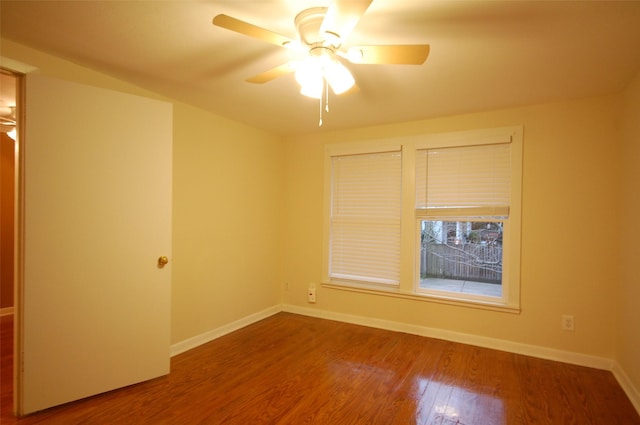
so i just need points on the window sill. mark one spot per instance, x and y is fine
(448, 298)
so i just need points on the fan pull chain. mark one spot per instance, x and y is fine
(324, 96)
(326, 91)
(320, 122)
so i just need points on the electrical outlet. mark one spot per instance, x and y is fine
(567, 322)
(312, 293)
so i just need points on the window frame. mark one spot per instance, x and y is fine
(410, 233)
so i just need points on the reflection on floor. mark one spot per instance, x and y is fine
(462, 286)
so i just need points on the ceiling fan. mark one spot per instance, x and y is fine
(321, 35)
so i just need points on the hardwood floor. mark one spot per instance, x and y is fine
(291, 369)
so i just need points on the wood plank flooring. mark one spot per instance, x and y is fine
(291, 369)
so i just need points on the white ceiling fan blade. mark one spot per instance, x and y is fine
(271, 74)
(342, 17)
(242, 27)
(397, 54)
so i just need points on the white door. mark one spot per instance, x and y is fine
(94, 303)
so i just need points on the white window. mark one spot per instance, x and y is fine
(457, 239)
(463, 197)
(365, 217)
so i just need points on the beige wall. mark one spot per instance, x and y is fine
(569, 195)
(228, 210)
(628, 305)
(228, 188)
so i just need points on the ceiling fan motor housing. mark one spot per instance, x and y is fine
(308, 23)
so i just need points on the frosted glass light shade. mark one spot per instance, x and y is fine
(313, 89)
(339, 77)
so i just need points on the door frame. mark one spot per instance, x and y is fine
(18, 71)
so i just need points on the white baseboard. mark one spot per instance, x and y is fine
(6, 311)
(480, 341)
(198, 340)
(625, 382)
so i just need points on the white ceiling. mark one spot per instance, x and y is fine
(484, 54)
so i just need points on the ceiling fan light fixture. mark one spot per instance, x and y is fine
(338, 77)
(312, 73)
(310, 78)
(312, 90)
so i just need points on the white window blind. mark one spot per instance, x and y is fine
(366, 194)
(464, 181)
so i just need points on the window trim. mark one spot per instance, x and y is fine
(409, 252)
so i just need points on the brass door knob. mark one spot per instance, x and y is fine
(162, 261)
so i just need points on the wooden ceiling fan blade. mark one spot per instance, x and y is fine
(342, 16)
(242, 27)
(271, 74)
(398, 54)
